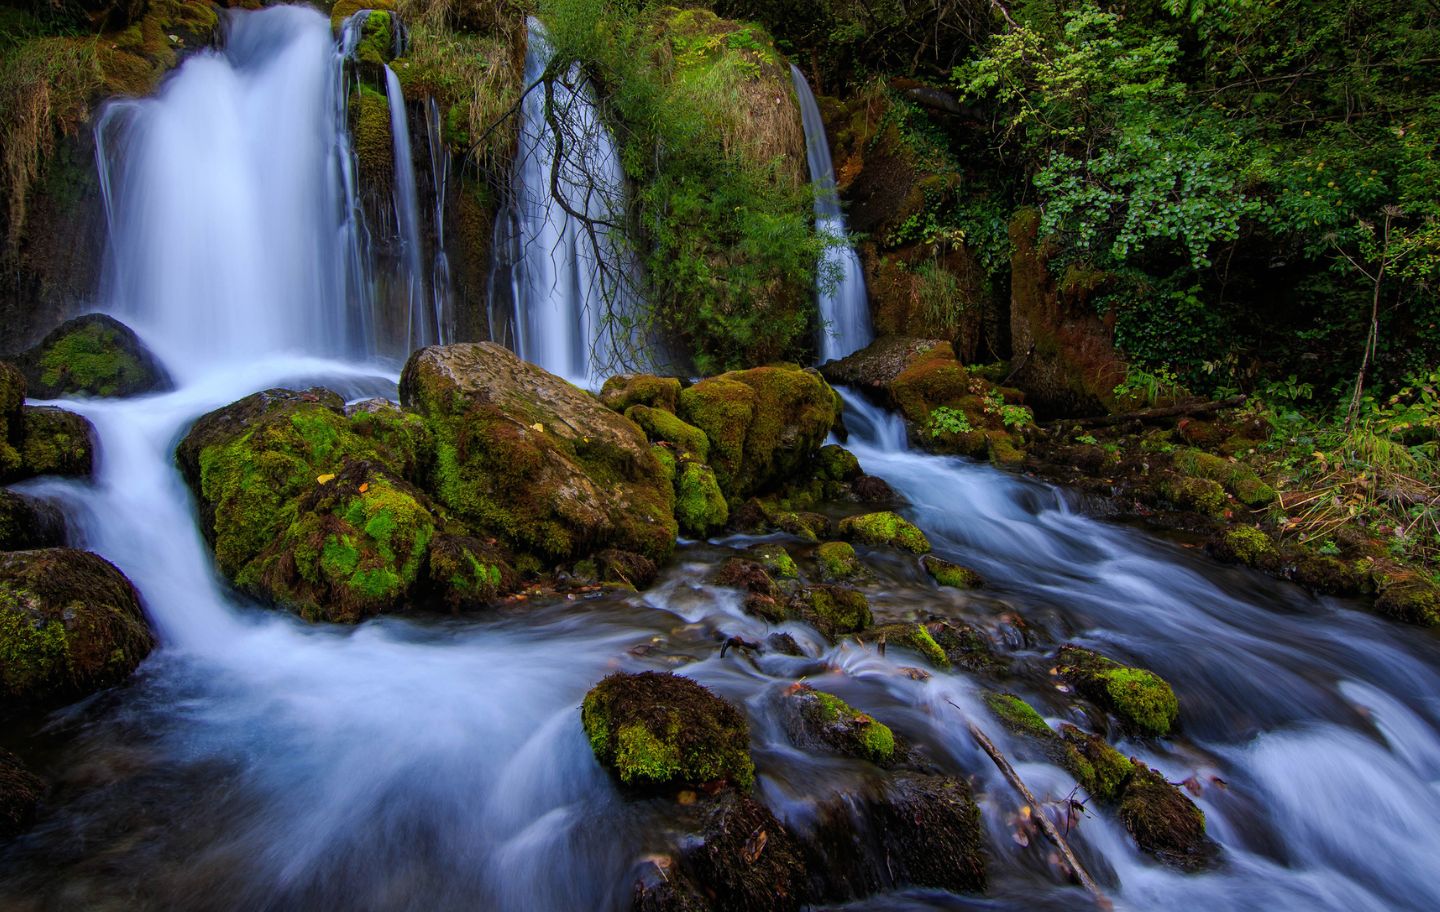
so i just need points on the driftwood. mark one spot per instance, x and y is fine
(1040, 817)
(1151, 414)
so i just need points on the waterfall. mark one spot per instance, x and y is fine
(440, 287)
(845, 306)
(562, 280)
(353, 236)
(227, 202)
(422, 316)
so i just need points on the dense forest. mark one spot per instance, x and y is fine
(719, 454)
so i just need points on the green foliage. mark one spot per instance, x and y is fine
(947, 420)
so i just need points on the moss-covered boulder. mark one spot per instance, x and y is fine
(20, 791)
(661, 426)
(660, 730)
(838, 562)
(468, 572)
(1163, 821)
(816, 720)
(955, 411)
(700, 508)
(775, 559)
(835, 463)
(1140, 698)
(1245, 545)
(624, 390)
(540, 463)
(1411, 598)
(93, 355)
(12, 428)
(884, 529)
(833, 610)
(1237, 478)
(765, 425)
(877, 365)
(26, 523)
(47, 441)
(929, 828)
(344, 9)
(953, 575)
(70, 624)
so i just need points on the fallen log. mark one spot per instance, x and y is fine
(1152, 414)
(1038, 813)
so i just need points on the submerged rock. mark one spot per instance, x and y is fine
(1140, 698)
(26, 523)
(543, 464)
(93, 355)
(70, 624)
(660, 730)
(20, 792)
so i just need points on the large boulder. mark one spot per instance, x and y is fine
(765, 425)
(310, 507)
(661, 730)
(534, 459)
(39, 440)
(93, 355)
(70, 624)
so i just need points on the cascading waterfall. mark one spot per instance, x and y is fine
(260, 763)
(567, 283)
(423, 319)
(844, 302)
(440, 287)
(354, 236)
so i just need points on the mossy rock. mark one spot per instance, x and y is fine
(775, 559)
(376, 46)
(625, 568)
(1097, 766)
(371, 138)
(929, 829)
(1246, 545)
(534, 460)
(344, 9)
(468, 572)
(1018, 716)
(624, 390)
(1238, 478)
(913, 636)
(26, 523)
(1197, 495)
(884, 529)
(1164, 822)
(832, 610)
(70, 624)
(93, 355)
(1411, 599)
(838, 563)
(1140, 698)
(12, 425)
(20, 793)
(952, 575)
(660, 730)
(815, 719)
(51, 441)
(765, 425)
(660, 425)
(739, 573)
(835, 463)
(740, 858)
(700, 508)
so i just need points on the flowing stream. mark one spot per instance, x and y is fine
(256, 762)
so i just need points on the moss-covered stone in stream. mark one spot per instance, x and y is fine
(26, 523)
(914, 636)
(70, 624)
(624, 390)
(660, 425)
(93, 355)
(1018, 716)
(534, 460)
(1198, 495)
(764, 425)
(344, 9)
(54, 442)
(1138, 697)
(838, 562)
(816, 719)
(376, 46)
(468, 572)
(1238, 478)
(12, 429)
(833, 610)
(1163, 821)
(700, 508)
(1100, 768)
(953, 575)
(884, 529)
(929, 829)
(953, 411)
(835, 463)
(1246, 545)
(20, 792)
(1412, 599)
(775, 559)
(660, 730)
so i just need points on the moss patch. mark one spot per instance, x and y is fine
(700, 508)
(952, 575)
(885, 529)
(1140, 698)
(814, 718)
(838, 562)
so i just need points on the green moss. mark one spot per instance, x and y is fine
(912, 636)
(699, 506)
(660, 425)
(1249, 545)
(344, 9)
(831, 721)
(838, 562)
(835, 463)
(1097, 766)
(666, 459)
(1017, 715)
(1199, 495)
(833, 610)
(775, 559)
(370, 135)
(885, 528)
(624, 390)
(1238, 478)
(1164, 821)
(377, 39)
(953, 575)
(55, 442)
(1139, 697)
(33, 650)
(1412, 600)
(642, 757)
(89, 361)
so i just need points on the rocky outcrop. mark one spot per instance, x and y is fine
(39, 440)
(70, 624)
(93, 355)
(26, 523)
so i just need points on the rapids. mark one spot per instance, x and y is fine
(435, 763)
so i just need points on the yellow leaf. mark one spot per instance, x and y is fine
(537, 426)
(364, 487)
(326, 478)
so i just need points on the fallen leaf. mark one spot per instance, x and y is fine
(364, 486)
(326, 478)
(537, 426)
(686, 797)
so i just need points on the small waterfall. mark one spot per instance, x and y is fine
(440, 287)
(844, 308)
(565, 284)
(354, 236)
(225, 199)
(422, 317)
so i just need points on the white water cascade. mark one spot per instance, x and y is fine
(441, 289)
(565, 284)
(845, 304)
(424, 320)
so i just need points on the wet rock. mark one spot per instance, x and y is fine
(873, 490)
(1164, 822)
(26, 523)
(43, 440)
(815, 719)
(748, 575)
(775, 559)
(832, 610)
(1197, 495)
(1245, 545)
(660, 730)
(884, 529)
(1100, 768)
(745, 859)
(915, 637)
(541, 463)
(953, 575)
(468, 572)
(1412, 599)
(70, 624)
(1140, 698)
(1236, 477)
(93, 355)
(700, 507)
(784, 644)
(12, 433)
(838, 562)
(624, 390)
(929, 828)
(625, 568)
(877, 365)
(764, 425)
(835, 463)
(20, 792)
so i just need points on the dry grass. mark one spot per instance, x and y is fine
(476, 78)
